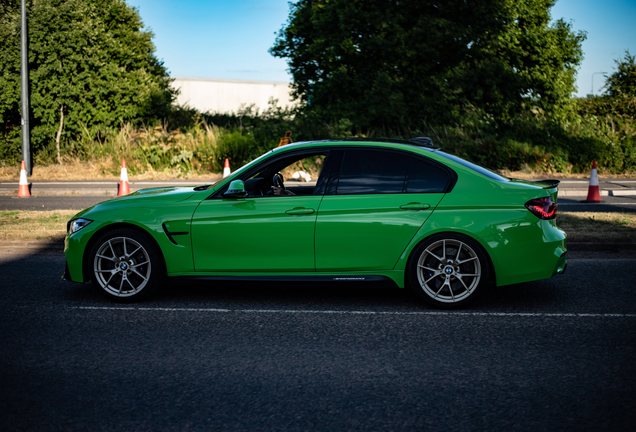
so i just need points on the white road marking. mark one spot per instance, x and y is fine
(604, 203)
(328, 312)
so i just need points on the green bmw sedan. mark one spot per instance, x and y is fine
(342, 211)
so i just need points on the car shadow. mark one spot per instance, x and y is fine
(34, 277)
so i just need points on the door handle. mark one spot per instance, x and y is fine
(300, 211)
(415, 206)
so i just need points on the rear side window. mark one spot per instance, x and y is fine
(372, 172)
(426, 178)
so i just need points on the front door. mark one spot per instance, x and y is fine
(258, 234)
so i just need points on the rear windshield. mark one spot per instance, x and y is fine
(481, 170)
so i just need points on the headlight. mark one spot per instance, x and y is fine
(76, 224)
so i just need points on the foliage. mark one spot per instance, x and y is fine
(489, 81)
(397, 65)
(622, 83)
(91, 66)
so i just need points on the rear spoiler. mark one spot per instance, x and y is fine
(550, 183)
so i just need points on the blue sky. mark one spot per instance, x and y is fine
(230, 39)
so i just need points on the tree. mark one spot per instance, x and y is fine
(622, 83)
(396, 64)
(92, 66)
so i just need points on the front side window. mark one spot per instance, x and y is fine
(297, 174)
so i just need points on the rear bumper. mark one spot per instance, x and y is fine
(562, 264)
(529, 253)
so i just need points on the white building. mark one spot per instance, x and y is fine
(226, 96)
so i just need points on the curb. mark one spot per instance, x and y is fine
(596, 247)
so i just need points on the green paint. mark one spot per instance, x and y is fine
(324, 235)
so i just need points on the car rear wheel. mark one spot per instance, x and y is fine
(126, 265)
(448, 270)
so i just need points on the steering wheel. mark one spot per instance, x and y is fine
(278, 181)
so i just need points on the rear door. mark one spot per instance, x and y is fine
(374, 205)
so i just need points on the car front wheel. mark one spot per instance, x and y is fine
(126, 265)
(448, 270)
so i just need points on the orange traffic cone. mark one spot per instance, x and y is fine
(23, 188)
(124, 188)
(226, 169)
(593, 194)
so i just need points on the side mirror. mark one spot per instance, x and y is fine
(236, 190)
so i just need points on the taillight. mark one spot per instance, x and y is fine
(543, 208)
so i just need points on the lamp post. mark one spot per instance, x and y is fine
(596, 73)
(24, 71)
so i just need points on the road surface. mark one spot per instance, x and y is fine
(553, 355)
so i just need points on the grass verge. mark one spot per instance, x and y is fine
(580, 227)
(598, 227)
(34, 225)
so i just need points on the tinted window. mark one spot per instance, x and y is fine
(481, 170)
(372, 172)
(425, 177)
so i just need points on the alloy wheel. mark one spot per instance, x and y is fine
(122, 266)
(449, 271)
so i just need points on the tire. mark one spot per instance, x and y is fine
(437, 276)
(126, 265)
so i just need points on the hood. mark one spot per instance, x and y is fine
(143, 197)
(159, 194)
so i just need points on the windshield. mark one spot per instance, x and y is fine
(241, 168)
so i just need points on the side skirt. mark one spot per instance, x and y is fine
(340, 279)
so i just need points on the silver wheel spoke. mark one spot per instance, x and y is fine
(435, 256)
(439, 290)
(459, 250)
(432, 277)
(130, 283)
(135, 251)
(112, 250)
(107, 271)
(450, 289)
(137, 265)
(463, 274)
(121, 284)
(427, 268)
(462, 281)
(139, 274)
(466, 260)
(125, 252)
(105, 257)
(110, 278)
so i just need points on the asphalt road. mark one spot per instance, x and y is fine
(79, 202)
(609, 204)
(549, 355)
